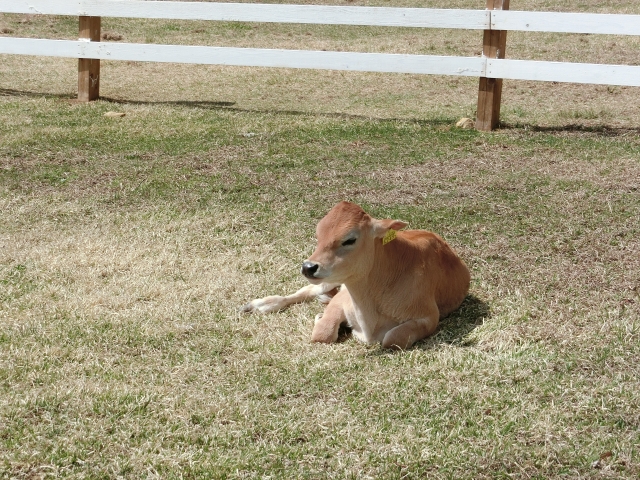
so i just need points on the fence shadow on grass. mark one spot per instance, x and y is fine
(223, 105)
(599, 130)
(229, 106)
(10, 92)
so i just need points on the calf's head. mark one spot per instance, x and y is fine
(347, 239)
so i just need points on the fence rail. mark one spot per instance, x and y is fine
(560, 22)
(491, 67)
(254, 57)
(255, 12)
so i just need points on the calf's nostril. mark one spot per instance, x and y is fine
(309, 269)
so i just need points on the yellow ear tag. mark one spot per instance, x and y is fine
(389, 236)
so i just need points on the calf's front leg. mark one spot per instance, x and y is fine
(408, 333)
(327, 324)
(274, 303)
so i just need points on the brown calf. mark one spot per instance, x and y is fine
(395, 286)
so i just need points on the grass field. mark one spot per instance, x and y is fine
(127, 246)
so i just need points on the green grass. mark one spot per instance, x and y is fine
(128, 244)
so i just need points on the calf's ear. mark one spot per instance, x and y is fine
(381, 227)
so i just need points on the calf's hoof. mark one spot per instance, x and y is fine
(264, 305)
(395, 342)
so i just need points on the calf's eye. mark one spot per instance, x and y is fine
(349, 241)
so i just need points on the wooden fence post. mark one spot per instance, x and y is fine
(490, 90)
(89, 68)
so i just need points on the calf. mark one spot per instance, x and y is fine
(388, 286)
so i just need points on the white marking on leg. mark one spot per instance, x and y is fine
(275, 303)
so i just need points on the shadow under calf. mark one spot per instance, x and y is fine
(455, 328)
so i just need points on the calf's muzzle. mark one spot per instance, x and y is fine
(309, 269)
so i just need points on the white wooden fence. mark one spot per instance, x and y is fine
(491, 21)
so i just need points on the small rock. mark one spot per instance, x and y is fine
(114, 114)
(116, 37)
(607, 454)
(465, 123)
